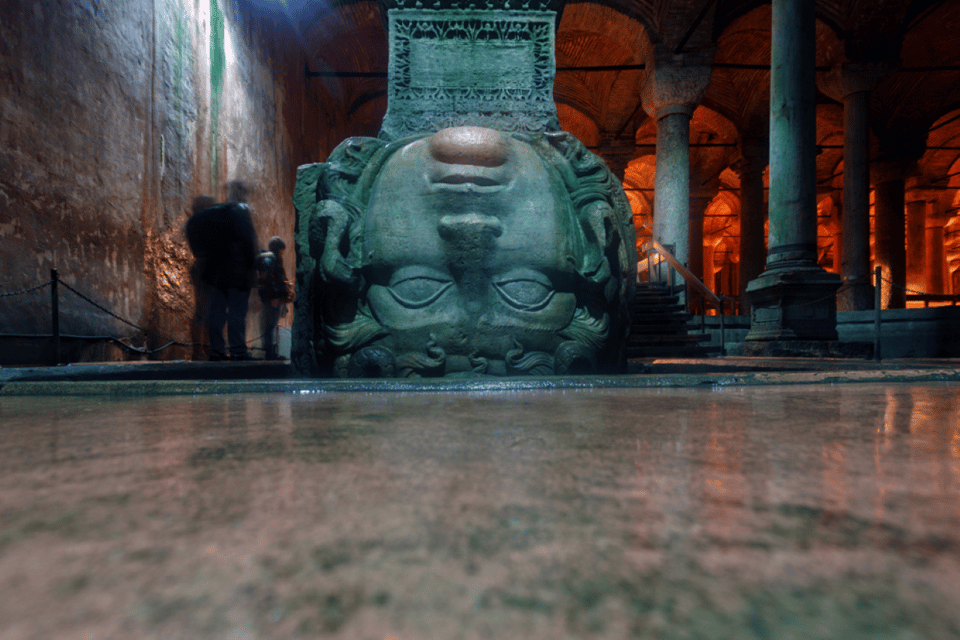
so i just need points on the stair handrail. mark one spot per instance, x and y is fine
(692, 280)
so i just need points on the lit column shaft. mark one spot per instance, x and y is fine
(793, 217)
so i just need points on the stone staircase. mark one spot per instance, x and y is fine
(660, 326)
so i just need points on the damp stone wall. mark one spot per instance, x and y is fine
(114, 116)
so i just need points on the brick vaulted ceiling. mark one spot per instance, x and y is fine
(918, 39)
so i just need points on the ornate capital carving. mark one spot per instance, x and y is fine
(847, 78)
(675, 83)
(451, 68)
(890, 169)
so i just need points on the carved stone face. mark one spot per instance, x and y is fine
(468, 250)
(470, 244)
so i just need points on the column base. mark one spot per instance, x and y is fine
(793, 302)
(801, 349)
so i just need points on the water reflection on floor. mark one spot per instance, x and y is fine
(761, 512)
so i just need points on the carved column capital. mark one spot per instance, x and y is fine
(918, 195)
(938, 212)
(675, 83)
(847, 78)
(890, 169)
(752, 156)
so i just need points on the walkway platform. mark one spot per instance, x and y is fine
(187, 377)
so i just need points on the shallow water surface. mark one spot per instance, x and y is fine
(759, 512)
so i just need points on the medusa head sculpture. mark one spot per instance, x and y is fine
(462, 252)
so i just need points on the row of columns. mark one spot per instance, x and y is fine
(790, 296)
(850, 84)
(926, 268)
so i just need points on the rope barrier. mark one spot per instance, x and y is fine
(141, 351)
(843, 287)
(170, 342)
(107, 311)
(147, 331)
(23, 291)
(903, 288)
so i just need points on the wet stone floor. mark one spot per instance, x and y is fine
(807, 511)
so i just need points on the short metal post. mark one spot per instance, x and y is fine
(684, 287)
(723, 330)
(877, 303)
(55, 320)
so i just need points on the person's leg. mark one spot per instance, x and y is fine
(270, 318)
(216, 319)
(199, 335)
(237, 303)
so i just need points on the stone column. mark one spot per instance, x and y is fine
(709, 265)
(952, 256)
(851, 83)
(674, 85)
(830, 221)
(753, 214)
(936, 266)
(698, 206)
(916, 243)
(695, 236)
(793, 299)
(838, 236)
(890, 230)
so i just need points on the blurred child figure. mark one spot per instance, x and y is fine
(274, 293)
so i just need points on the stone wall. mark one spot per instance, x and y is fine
(114, 116)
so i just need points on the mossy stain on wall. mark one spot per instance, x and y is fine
(218, 65)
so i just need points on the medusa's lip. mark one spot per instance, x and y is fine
(467, 178)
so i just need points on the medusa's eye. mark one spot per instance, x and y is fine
(417, 287)
(525, 289)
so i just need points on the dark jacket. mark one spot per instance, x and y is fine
(272, 283)
(224, 243)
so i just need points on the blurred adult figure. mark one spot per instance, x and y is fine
(201, 295)
(274, 293)
(224, 241)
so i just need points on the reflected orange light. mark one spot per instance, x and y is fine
(835, 493)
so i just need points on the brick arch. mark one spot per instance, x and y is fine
(579, 124)
(596, 35)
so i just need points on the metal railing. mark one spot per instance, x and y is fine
(656, 254)
(910, 295)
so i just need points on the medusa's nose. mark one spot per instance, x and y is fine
(475, 146)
